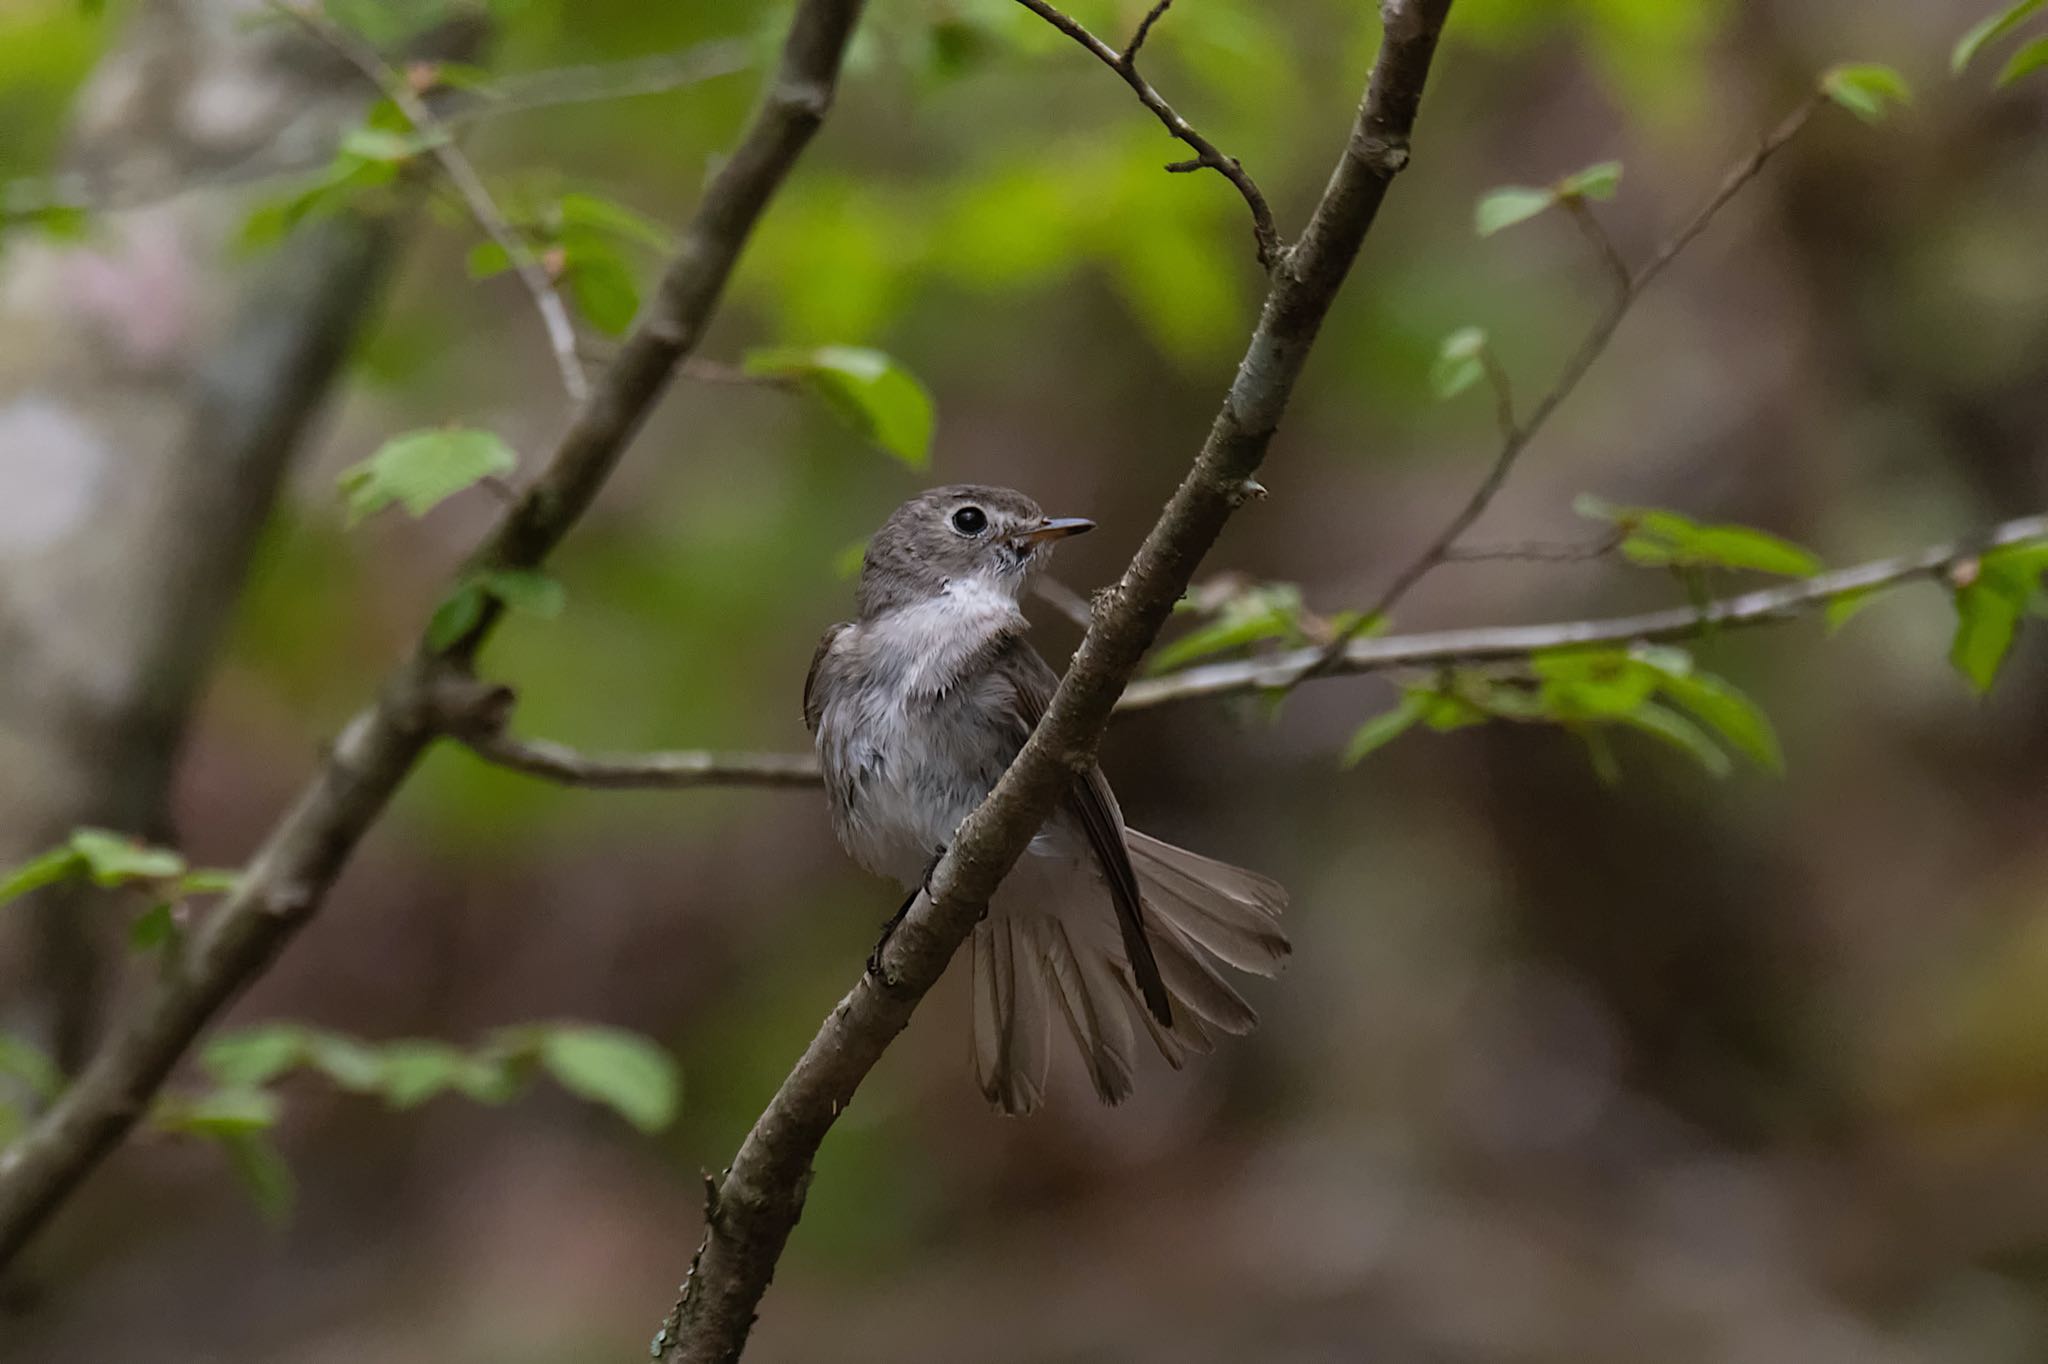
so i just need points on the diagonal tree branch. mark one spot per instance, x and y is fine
(760, 1197)
(1125, 64)
(1629, 286)
(1446, 647)
(476, 196)
(298, 861)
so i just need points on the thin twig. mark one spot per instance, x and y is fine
(1446, 648)
(476, 196)
(762, 1195)
(296, 865)
(1629, 286)
(665, 771)
(653, 75)
(1206, 153)
(1064, 600)
(1537, 551)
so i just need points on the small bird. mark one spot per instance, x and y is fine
(918, 707)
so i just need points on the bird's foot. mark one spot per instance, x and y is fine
(924, 885)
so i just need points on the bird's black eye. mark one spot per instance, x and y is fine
(970, 521)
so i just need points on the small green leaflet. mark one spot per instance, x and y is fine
(1510, 204)
(601, 283)
(1682, 734)
(1847, 606)
(1460, 362)
(421, 469)
(865, 388)
(1665, 539)
(1989, 30)
(1384, 728)
(108, 859)
(1989, 606)
(1251, 616)
(2024, 62)
(621, 1070)
(524, 590)
(1866, 89)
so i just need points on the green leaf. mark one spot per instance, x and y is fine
(2024, 63)
(1665, 539)
(620, 1069)
(209, 881)
(260, 1168)
(1989, 30)
(113, 859)
(1989, 607)
(1508, 205)
(414, 1071)
(1262, 612)
(1681, 733)
(1846, 606)
(384, 144)
(603, 288)
(594, 213)
(524, 590)
(44, 869)
(1600, 180)
(155, 927)
(219, 1111)
(1383, 729)
(421, 469)
(26, 1062)
(456, 616)
(352, 1065)
(1460, 362)
(486, 259)
(1866, 89)
(1739, 721)
(867, 389)
(252, 1057)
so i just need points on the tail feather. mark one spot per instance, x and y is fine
(1030, 957)
(1011, 1046)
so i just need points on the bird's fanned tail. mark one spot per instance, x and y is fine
(1033, 959)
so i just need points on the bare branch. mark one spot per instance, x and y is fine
(1206, 153)
(669, 771)
(1451, 647)
(762, 1194)
(1537, 551)
(299, 860)
(476, 196)
(1064, 600)
(1629, 287)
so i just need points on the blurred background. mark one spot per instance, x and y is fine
(1685, 1069)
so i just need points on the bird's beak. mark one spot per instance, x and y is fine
(1055, 528)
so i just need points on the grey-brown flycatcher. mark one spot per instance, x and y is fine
(918, 707)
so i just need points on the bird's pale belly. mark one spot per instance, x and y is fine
(917, 768)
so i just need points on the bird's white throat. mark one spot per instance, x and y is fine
(936, 638)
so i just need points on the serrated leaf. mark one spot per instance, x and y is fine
(1989, 30)
(250, 1058)
(525, 590)
(1866, 89)
(622, 1070)
(1508, 205)
(113, 859)
(421, 469)
(1382, 730)
(44, 869)
(2025, 62)
(1460, 362)
(1679, 732)
(1598, 181)
(865, 388)
(26, 1062)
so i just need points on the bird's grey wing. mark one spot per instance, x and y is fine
(1092, 804)
(814, 701)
